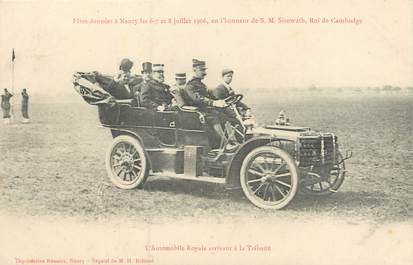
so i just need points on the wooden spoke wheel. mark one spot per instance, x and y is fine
(269, 177)
(126, 163)
(328, 184)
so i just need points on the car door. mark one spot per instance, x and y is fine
(165, 124)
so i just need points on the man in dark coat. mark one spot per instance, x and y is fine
(155, 94)
(224, 90)
(146, 77)
(196, 94)
(25, 106)
(125, 80)
(5, 105)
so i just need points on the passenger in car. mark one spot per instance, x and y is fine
(146, 71)
(125, 78)
(196, 94)
(124, 70)
(155, 94)
(176, 90)
(136, 89)
(124, 75)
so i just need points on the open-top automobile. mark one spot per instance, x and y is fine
(271, 164)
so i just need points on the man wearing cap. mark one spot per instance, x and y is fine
(224, 90)
(155, 94)
(176, 90)
(25, 106)
(196, 94)
(5, 105)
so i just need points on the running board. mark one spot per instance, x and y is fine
(186, 177)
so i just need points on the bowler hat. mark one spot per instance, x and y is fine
(125, 64)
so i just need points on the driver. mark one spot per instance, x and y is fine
(224, 90)
(155, 94)
(196, 94)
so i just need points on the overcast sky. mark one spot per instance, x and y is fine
(50, 47)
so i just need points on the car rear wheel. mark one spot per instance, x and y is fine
(126, 163)
(269, 177)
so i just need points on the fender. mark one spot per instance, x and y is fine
(135, 135)
(232, 176)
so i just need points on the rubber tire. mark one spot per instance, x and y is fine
(294, 177)
(143, 174)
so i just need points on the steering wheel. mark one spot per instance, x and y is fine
(233, 99)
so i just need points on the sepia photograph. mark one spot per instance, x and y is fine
(206, 132)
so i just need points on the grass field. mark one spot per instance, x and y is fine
(54, 166)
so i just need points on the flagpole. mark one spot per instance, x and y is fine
(12, 85)
(12, 77)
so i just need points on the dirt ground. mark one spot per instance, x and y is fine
(54, 166)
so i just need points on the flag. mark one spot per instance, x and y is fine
(13, 56)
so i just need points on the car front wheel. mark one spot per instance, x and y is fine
(269, 177)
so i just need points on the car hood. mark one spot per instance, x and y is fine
(279, 131)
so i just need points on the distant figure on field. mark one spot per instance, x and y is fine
(25, 106)
(5, 105)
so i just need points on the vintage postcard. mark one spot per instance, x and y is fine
(206, 132)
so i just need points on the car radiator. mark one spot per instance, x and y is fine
(317, 150)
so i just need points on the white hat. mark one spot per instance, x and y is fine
(157, 67)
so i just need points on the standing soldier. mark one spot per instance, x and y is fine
(177, 89)
(155, 94)
(196, 94)
(5, 105)
(25, 106)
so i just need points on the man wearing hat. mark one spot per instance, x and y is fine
(146, 71)
(155, 94)
(224, 90)
(124, 72)
(125, 78)
(196, 94)
(176, 90)
(25, 106)
(146, 76)
(5, 105)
